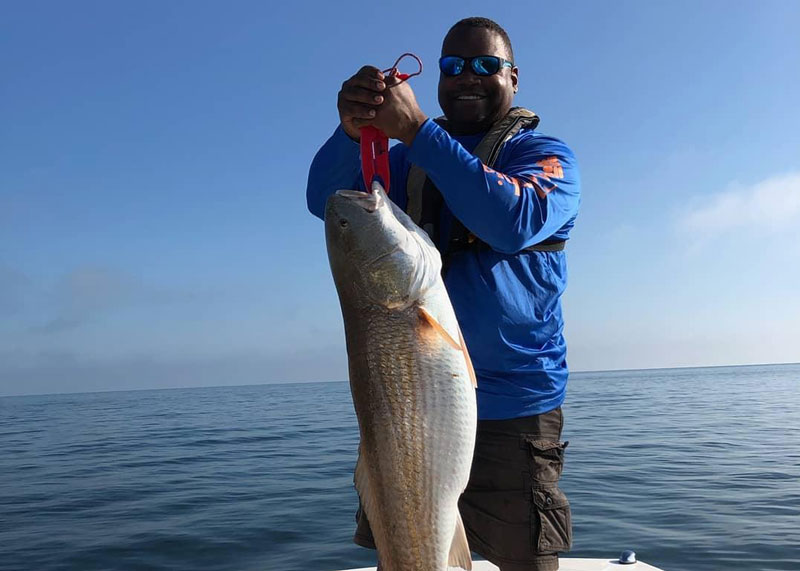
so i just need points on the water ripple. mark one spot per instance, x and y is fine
(691, 461)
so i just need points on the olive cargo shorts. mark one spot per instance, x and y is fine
(514, 513)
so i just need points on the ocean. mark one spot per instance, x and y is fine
(694, 469)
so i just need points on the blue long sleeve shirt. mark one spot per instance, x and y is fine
(506, 298)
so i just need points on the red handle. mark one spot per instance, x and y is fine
(374, 157)
(375, 143)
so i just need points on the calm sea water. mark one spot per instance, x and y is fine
(695, 469)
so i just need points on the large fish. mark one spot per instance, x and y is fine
(411, 380)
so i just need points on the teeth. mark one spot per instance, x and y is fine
(469, 97)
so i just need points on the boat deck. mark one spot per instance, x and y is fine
(565, 564)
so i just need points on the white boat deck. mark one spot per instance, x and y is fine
(565, 564)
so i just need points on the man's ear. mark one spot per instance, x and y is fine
(515, 78)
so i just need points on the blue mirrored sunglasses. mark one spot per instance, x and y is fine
(481, 65)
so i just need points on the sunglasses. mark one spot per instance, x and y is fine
(481, 65)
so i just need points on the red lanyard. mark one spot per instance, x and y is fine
(375, 143)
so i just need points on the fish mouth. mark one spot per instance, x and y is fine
(370, 202)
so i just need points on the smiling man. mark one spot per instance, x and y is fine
(499, 200)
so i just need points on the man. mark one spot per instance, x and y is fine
(501, 222)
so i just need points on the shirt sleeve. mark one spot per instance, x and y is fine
(536, 192)
(337, 165)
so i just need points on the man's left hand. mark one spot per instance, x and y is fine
(399, 116)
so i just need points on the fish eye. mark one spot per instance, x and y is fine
(344, 223)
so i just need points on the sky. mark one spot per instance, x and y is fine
(154, 157)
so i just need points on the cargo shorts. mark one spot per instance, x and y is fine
(513, 511)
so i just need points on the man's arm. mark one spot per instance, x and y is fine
(537, 193)
(336, 165)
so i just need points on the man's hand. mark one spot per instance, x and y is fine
(359, 99)
(369, 98)
(399, 116)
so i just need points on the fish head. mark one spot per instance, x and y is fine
(376, 251)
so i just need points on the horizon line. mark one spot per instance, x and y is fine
(589, 371)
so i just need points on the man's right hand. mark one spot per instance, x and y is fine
(359, 99)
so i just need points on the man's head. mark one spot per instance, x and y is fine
(472, 102)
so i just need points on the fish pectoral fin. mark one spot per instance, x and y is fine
(470, 369)
(459, 345)
(459, 549)
(428, 317)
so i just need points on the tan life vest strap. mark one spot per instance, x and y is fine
(516, 119)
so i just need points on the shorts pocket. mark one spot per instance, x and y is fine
(552, 520)
(546, 459)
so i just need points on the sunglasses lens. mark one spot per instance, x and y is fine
(486, 65)
(451, 65)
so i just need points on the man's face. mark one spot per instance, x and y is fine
(495, 92)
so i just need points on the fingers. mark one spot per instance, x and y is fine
(392, 80)
(367, 77)
(361, 94)
(358, 102)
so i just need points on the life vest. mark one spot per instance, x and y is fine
(425, 202)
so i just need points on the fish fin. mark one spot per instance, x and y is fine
(361, 480)
(459, 549)
(459, 345)
(470, 369)
(433, 322)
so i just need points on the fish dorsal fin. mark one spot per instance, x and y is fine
(459, 549)
(459, 345)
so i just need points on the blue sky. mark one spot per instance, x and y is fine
(153, 161)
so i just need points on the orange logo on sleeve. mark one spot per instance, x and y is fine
(552, 167)
(502, 179)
